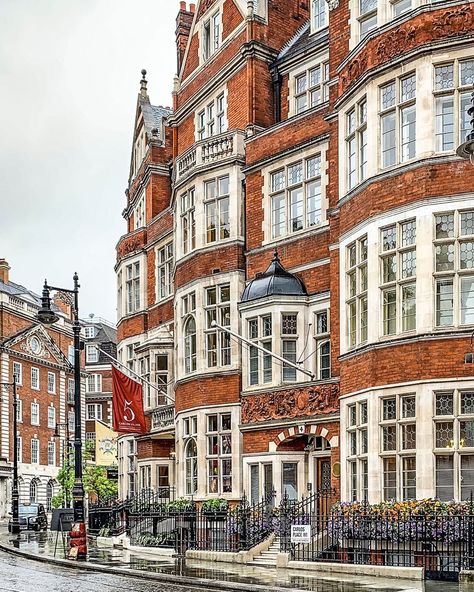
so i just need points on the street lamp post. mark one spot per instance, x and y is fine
(15, 525)
(466, 149)
(47, 316)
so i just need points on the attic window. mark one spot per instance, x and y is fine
(211, 36)
(318, 14)
(89, 332)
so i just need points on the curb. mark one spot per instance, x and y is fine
(212, 585)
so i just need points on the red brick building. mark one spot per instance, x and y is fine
(304, 192)
(39, 357)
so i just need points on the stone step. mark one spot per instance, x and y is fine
(263, 562)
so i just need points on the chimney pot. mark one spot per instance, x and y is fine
(4, 269)
(192, 8)
(182, 5)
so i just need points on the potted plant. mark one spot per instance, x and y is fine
(180, 506)
(215, 508)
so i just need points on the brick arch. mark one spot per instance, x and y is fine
(310, 430)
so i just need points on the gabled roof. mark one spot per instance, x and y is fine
(40, 332)
(152, 116)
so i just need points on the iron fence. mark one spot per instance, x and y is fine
(441, 543)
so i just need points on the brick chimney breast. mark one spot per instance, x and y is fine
(4, 269)
(184, 21)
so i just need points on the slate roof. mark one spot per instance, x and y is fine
(23, 293)
(153, 116)
(276, 280)
(302, 42)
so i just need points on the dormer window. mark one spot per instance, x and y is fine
(89, 332)
(318, 14)
(211, 35)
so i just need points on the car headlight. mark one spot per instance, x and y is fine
(33, 519)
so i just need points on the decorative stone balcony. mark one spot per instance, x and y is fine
(226, 146)
(162, 419)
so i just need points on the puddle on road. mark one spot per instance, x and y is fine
(49, 543)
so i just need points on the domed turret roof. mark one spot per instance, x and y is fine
(275, 281)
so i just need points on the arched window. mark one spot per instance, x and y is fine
(324, 360)
(191, 467)
(33, 491)
(49, 494)
(190, 345)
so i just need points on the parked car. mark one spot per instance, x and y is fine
(31, 517)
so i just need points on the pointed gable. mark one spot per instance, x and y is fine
(36, 342)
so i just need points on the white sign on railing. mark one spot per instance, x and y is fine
(300, 533)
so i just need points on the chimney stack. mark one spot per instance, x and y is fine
(184, 21)
(4, 269)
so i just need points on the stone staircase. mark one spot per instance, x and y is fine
(268, 558)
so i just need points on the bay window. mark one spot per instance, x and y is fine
(398, 273)
(295, 195)
(453, 84)
(132, 287)
(188, 221)
(219, 453)
(217, 308)
(357, 283)
(398, 120)
(216, 195)
(454, 268)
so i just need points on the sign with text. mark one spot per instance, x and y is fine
(62, 519)
(300, 533)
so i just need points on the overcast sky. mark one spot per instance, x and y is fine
(69, 79)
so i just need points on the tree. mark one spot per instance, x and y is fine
(94, 478)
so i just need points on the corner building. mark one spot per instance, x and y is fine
(304, 192)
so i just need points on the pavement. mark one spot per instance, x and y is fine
(116, 569)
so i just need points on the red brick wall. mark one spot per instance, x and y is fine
(154, 448)
(208, 390)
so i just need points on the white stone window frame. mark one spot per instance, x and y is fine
(92, 354)
(35, 413)
(35, 451)
(139, 148)
(218, 456)
(315, 16)
(267, 223)
(94, 411)
(321, 338)
(142, 277)
(237, 284)
(425, 282)
(357, 134)
(212, 18)
(455, 450)
(51, 383)
(456, 274)
(385, 13)
(94, 383)
(357, 291)
(207, 126)
(425, 115)
(218, 203)
(51, 453)
(398, 284)
(218, 312)
(399, 107)
(455, 93)
(321, 61)
(357, 454)
(51, 416)
(306, 349)
(17, 370)
(163, 378)
(19, 411)
(35, 378)
(139, 213)
(164, 267)
(187, 219)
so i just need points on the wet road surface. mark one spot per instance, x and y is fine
(22, 575)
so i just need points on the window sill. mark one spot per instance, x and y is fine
(293, 236)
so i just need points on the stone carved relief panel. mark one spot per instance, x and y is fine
(427, 27)
(290, 403)
(131, 244)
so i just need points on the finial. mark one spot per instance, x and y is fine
(143, 83)
(275, 256)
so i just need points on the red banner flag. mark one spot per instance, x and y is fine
(127, 404)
